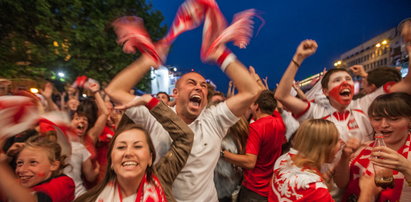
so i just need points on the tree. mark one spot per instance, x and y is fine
(40, 37)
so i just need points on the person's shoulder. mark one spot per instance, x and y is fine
(220, 108)
(63, 178)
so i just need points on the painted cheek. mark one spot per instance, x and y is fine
(335, 93)
(41, 174)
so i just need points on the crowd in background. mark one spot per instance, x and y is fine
(199, 144)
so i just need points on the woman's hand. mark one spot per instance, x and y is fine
(369, 190)
(391, 159)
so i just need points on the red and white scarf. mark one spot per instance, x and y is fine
(17, 114)
(147, 192)
(362, 165)
(132, 34)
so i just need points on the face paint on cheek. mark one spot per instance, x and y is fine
(335, 93)
(41, 174)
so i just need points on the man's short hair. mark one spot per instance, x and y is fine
(179, 80)
(382, 75)
(266, 102)
(327, 75)
(162, 92)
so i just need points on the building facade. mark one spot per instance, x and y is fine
(383, 50)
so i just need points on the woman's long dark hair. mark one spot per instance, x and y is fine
(125, 125)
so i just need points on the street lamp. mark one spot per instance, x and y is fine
(34, 90)
(61, 74)
(338, 63)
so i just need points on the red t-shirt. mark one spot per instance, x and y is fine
(266, 137)
(60, 188)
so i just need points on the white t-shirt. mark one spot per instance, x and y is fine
(195, 181)
(291, 124)
(353, 122)
(79, 154)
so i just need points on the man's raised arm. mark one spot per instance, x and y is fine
(248, 89)
(119, 87)
(282, 94)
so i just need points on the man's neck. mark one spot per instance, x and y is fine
(339, 107)
(261, 115)
(186, 120)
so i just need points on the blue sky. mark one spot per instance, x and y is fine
(336, 25)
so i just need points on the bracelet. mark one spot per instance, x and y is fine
(152, 103)
(295, 62)
(222, 153)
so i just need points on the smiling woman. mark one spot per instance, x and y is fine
(131, 174)
(390, 116)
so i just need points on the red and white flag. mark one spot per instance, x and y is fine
(17, 114)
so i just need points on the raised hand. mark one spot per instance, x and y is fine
(266, 82)
(92, 85)
(305, 49)
(48, 90)
(137, 101)
(358, 70)
(256, 77)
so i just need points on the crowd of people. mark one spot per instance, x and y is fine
(252, 144)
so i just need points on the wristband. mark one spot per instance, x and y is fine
(225, 59)
(295, 62)
(152, 103)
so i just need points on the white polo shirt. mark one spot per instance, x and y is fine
(195, 181)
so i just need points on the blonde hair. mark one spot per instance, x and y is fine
(314, 141)
(52, 147)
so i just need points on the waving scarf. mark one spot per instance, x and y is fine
(147, 192)
(132, 35)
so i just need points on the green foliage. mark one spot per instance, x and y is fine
(41, 37)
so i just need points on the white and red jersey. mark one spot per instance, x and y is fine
(353, 121)
(292, 183)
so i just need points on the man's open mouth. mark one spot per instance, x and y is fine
(196, 100)
(345, 92)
